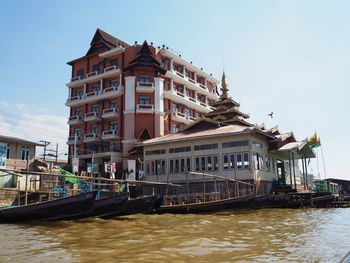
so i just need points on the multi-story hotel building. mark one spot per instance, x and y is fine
(121, 94)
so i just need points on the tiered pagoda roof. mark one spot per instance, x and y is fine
(226, 109)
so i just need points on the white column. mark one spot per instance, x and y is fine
(171, 85)
(206, 100)
(185, 90)
(69, 93)
(205, 83)
(159, 95)
(184, 71)
(196, 95)
(195, 77)
(171, 64)
(130, 94)
(84, 89)
(101, 85)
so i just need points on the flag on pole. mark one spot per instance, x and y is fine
(314, 141)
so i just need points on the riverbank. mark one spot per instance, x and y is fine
(270, 235)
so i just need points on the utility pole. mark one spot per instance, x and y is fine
(46, 143)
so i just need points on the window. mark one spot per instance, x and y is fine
(77, 131)
(257, 144)
(25, 153)
(225, 162)
(163, 167)
(177, 166)
(216, 163)
(232, 161)
(80, 73)
(235, 144)
(239, 161)
(155, 152)
(187, 113)
(188, 164)
(209, 163)
(246, 160)
(144, 100)
(145, 78)
(8, 152)
(256, 161)
(95, 108)
(96, 88)
(94, 129)
(115, 83)
(187, 93)
(113, 147)
(96, 67)
(114, 62)
(203, 164)
(113, 126)
(206, 147)
(78, 112)
(175, 128)
(267, 163)
(80, 93)
(197, 165)
(175, 108)
(174, 87)
(180, 149)
(182, 165)
(171, 166)
(114, 104)
(261, 162)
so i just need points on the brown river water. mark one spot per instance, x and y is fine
(271, 235)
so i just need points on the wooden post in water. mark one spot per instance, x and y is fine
(203, 187)
(295, 181)
(19, 192)
(290, 169)
(26, 185)
(188, 193)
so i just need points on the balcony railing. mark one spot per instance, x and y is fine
(110, 68)
(71, 140)
(111, 112)
(76, 78)
(110, 134)
(92, 93)
(145, 108)
(90, 74)
(145, 84)
(91, 116)
(74, 120)
(110, 89)
(90, 137)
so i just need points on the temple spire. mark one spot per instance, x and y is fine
(224, 87)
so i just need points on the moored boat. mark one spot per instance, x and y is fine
(235, 203)
(104, 206)
(139, 205)
(49, 210)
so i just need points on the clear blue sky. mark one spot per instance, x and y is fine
(291, 57)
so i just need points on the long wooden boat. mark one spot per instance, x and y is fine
(139, 205)
(104, 206)
(234, 203)
(270, 201)
(49, 210)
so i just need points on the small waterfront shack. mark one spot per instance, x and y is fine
(15, 154)
(224, 143)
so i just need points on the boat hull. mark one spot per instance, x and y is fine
(207, 207)
(49, 210)
(104, 206)
(141, 205)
